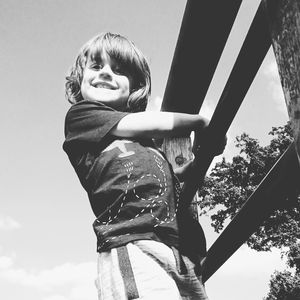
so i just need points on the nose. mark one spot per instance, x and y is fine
(105, 71)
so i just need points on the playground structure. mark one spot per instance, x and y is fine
(276, 23)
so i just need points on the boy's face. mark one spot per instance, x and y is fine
(104, 81)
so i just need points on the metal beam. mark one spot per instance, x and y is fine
(281, 179)
(204, 31)
(252, 53)
(284, 19)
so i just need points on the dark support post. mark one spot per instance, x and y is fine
(284, 20)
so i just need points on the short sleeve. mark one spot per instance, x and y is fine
(89, 122)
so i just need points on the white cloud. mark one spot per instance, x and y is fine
(207, 109)
(8, 223)
(253, 262)
(5, 262)
(69, 281)
(51, 278)
(55, 297)
(84, 291)
(250, 269)
(271, 72)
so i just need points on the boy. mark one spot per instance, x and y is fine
(147, 248)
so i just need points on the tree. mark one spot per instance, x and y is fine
(286, 285)
(230, 184)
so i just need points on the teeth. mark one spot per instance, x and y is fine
(103, 85)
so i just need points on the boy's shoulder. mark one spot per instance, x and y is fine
(88, 108)
(90, 103)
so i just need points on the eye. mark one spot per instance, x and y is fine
(95, 66)
(118, 69)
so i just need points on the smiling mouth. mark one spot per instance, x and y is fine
(104, 85)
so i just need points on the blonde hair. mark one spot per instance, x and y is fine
(126, 54)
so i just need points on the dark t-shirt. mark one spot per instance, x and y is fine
(131, 186)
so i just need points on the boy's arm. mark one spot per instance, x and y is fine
(158, 125)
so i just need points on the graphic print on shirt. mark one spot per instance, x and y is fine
(121, 145)
(153, 202)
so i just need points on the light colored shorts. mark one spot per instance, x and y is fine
(147, 270)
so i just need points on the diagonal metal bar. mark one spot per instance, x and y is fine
(252, 53)
(281, 179)
(203, 34)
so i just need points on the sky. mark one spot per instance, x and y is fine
(47, 245)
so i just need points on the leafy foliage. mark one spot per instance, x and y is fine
(284, 285)
(293, 257)
(230, 184)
